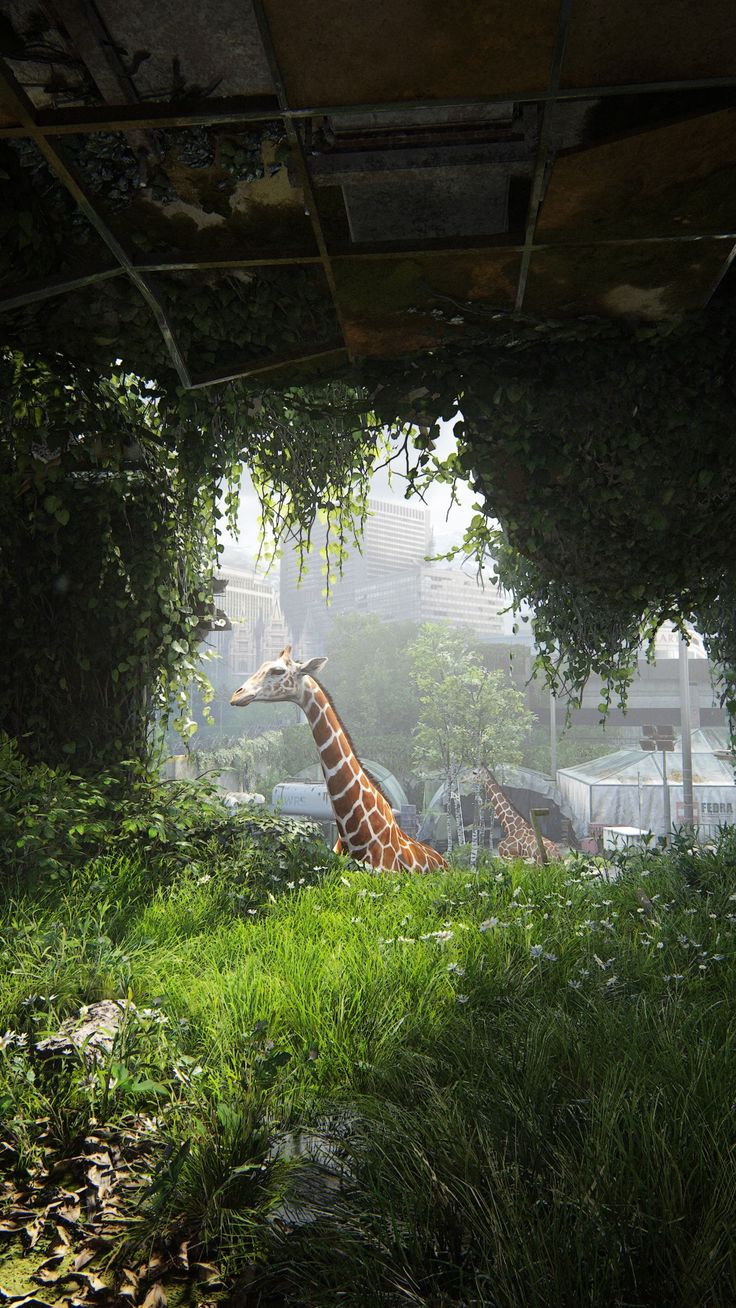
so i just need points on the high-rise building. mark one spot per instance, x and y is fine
(258, 630)
(428, 594)
(396, 538)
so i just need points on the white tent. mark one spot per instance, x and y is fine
(626, 789)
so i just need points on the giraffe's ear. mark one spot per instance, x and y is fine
(311, 666)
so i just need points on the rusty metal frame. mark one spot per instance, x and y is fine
(543, 149)
(20, 105)
(236, 110)
(32, 293)
(258, 367)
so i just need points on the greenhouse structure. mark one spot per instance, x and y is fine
(626, 789)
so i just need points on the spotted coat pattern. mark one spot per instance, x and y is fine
(520, 840)
(366, 825)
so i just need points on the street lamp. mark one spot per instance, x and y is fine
(663, 739)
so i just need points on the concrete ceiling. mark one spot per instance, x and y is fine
(422, 158)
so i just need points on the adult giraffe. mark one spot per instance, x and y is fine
(367, 828)
(520, 840)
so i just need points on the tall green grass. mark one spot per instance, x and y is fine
(526, 1076)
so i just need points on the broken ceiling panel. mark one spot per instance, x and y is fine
(211, 193)
(397, 305)
(333, 52)
(674, 180)
(43, 58)
(628, 41)
(649, 281)
(427, 175)
(180, 50)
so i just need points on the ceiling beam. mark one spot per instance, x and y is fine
(234, 111)
(300, 161)
(240, 110)
(727, 265)
(14, 96)
(16, 297)
(543, 149)
(258, 367)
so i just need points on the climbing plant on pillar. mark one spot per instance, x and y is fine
(106, 554)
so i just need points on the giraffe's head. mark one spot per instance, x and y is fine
(277, 679)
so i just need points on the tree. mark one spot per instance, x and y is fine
(370, 675)
(469, 714)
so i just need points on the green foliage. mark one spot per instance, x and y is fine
(469, 714)
(105, 563)
(606, 454)
(370, 675)
(260, 761)
(472, 1058)
(53, 821)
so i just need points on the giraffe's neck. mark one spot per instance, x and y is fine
(509, 817)
(362, 813)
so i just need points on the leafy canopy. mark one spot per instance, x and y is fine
(469, 714)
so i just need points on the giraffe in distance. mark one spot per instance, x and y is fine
(520, 840)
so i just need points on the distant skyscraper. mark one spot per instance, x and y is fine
(427, 594)
(396, 538)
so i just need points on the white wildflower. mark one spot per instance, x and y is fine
(489, 924)
(536, 951)
(462, 999)
(456, 969)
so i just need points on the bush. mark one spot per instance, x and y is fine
(52, 821)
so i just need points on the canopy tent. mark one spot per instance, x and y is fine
(626, 788)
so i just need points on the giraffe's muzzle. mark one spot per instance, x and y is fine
(241, 698)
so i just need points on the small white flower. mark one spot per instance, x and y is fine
(550, 958)
(456, 969)
(202, 881)
(462, 999)
(611, 982)
(660, 944)
(536, 951)
(575, 985)
(489, 924)
(291, 885)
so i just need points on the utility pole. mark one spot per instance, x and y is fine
(663, 739)
(686, 746)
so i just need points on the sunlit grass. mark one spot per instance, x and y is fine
(537, 1064)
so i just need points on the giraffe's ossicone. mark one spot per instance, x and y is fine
(366, 825)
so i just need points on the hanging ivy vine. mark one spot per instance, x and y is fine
(105, 563)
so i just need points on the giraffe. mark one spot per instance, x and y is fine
(520, 840)
(366, 825)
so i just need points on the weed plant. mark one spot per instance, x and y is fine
(515, 1086)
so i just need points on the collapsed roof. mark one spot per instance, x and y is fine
(230, 189)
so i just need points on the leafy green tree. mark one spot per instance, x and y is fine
(469, 713)
(370, 676)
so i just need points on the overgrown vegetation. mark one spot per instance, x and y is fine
(339, 1087)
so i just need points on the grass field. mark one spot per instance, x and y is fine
(335, 1087)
